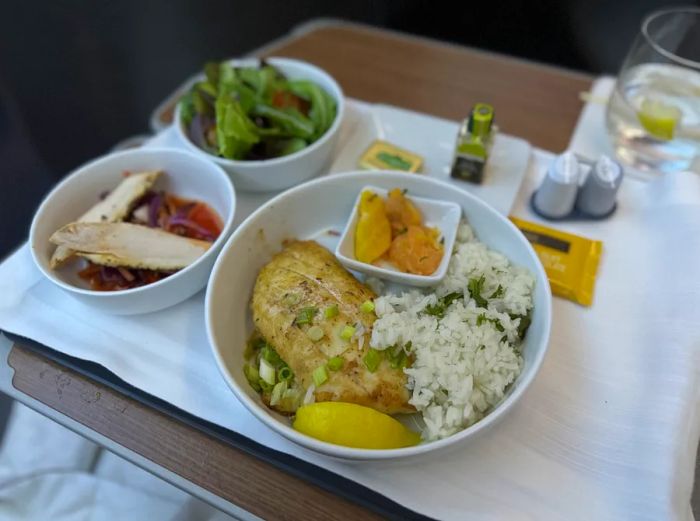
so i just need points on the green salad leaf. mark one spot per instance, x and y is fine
(235, 133)
(254, 112)
(290, 146)
(261, 80)
(323, 106)
(289, 120)
(211, 71)
(187, 110)
(232, 86)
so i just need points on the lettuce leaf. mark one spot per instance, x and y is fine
(323, 106)
(239, 101)
(187, 110)
(235, 133)
(291, 121)
(264, 80)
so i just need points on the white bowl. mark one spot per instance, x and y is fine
(311, 211)
(185, 175)
(442, 215)
(281, 172)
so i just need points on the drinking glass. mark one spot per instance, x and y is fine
(653, 115)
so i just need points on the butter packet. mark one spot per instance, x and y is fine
(571, 262)
(381, 155)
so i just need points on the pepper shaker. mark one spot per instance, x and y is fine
(556, 195)
(597, 195)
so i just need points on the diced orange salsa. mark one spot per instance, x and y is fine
(401, 212)
(394, 229)
(417, 250)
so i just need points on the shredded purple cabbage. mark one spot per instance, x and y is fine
(153, 206)
(109, 274)
(183, 211)
(177, 220)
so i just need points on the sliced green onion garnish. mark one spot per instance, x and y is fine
(305, 316)
(315, 333)
(285, 374)
(398, 360)
(267, 372)
(291, 298)
(277, 392)
(292, 393)
(335, 363)
(331, 311)
(367, 306)
(250, 349)
(269, 354)
(290, 400)
(320, 375)
(392, 352)
(266, 387)
(347, 332)
(372, 360)
(252, 375)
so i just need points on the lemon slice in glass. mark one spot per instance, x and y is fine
(353, 425)
(659, 119)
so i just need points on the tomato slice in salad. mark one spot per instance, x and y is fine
(283, 99)
(205, 217)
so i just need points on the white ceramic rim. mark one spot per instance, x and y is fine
(377, 454)
(381, 272)
(228, 223)
(340, 110)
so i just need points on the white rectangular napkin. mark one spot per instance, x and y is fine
(608, 430)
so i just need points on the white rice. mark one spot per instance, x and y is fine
(461, 370)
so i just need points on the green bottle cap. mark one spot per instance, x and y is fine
(481, 119)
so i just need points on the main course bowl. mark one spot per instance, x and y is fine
(308, 212)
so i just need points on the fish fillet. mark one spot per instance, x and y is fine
(113, 208)
(307, 275)
(130, 245)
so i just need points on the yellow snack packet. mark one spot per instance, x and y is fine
(570, 261)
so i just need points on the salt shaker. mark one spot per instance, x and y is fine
(597, 195)
(556, 195)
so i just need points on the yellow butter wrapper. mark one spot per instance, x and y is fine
(381, 155)
(571, 262)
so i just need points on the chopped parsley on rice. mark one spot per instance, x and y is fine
(464, 337)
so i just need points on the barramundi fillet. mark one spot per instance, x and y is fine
(130, 245)
(113, 208)
(306, 279)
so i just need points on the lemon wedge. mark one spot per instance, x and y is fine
(659, 119)
(353, 425)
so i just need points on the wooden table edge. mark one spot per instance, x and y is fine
(319, 24)
(242, 479)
